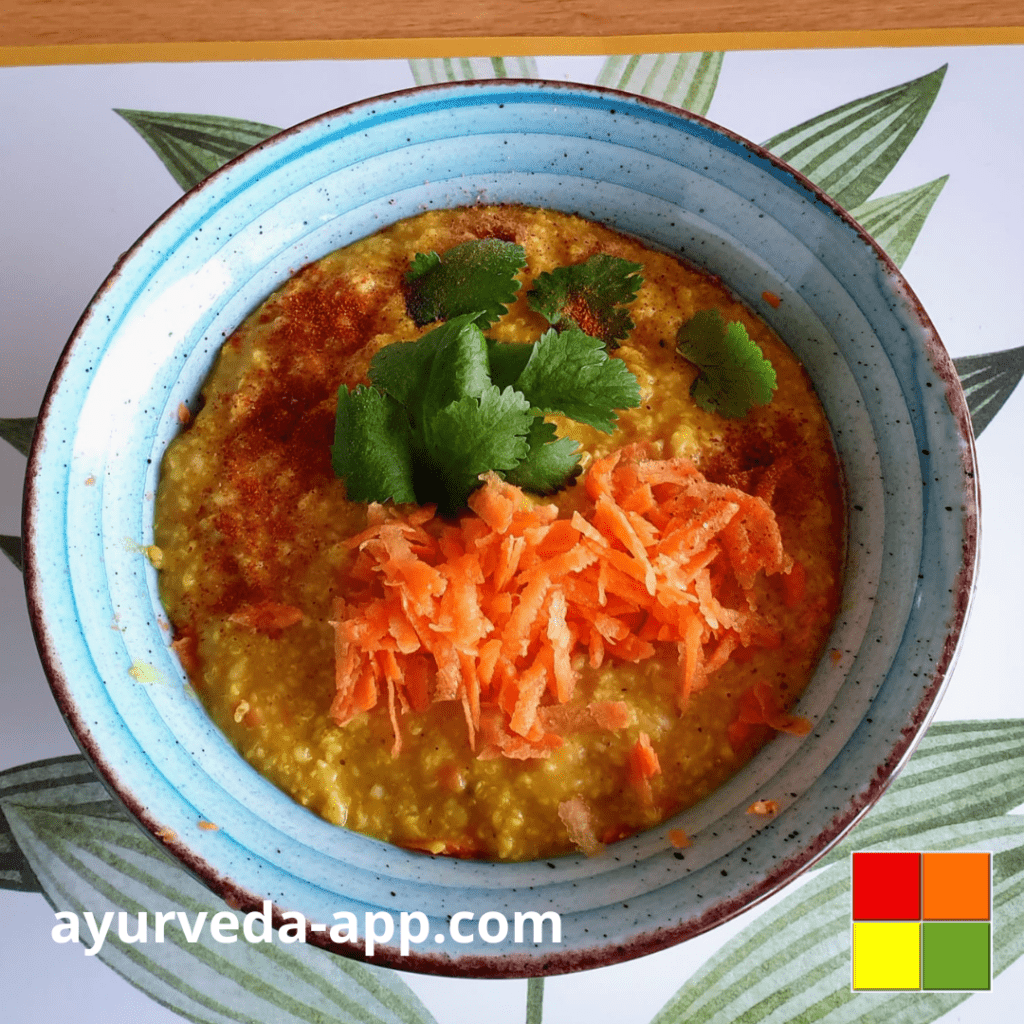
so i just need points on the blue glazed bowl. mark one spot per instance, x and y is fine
(679, 183)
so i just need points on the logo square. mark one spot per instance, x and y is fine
(956, 955)
(887, 887)
(886, 955)
(956, 886)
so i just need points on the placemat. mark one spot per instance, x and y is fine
(94, 152)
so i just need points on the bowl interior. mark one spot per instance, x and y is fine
(150, 337)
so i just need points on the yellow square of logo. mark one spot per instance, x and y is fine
(886, 955)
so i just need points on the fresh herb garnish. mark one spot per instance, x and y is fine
(445, 364)
(550, 463)
(453, 405)
(570, 373)
(436, 423)
(468, 437)
(372, 446)
(435, 417)
(477, 275)
(734, 375)
(508, 360)
(589, 296)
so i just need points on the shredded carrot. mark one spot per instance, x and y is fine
(575, 815)
(498, 608)
(772, 299)
(186, 646)
(644, 757)
(679, 839)
(266, 617)
(610, 714)
(496, 502)
(758, 705)
(643, 766)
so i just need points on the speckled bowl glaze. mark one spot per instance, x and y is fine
(149, 338)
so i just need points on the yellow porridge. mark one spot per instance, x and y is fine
(540, 673)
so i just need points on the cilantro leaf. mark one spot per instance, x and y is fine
(453, 405)
(372, 448)
(470, 436)
(402, 369)
(551, 462)
(428, 373)
(460, 366)
(571, 373)
(507, 359)
(734, 375)
(479, 275)
(587, 295)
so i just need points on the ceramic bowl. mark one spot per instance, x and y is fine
(677, 182)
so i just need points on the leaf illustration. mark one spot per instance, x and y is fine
(18, 432)
(88, 855)
(895, 221)
(55, 781)
(59, 780)
(192, 146)
(686, 80)
(848, 151)
(15, 871)
(988, 381)
(960, 772)
(11, 547)
(534, 1000)
(793, 963)
(466, 69)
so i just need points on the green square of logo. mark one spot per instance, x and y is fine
(956, 955)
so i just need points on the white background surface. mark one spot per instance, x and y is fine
(79, 186)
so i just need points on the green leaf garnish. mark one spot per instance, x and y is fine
(373, 446)
(550, 462)
(479, 275)
(734, 375)
(571, 374)
(403, 368)
(445, 364)
(589, 295)
(468, 437)
(460, 368)
(453, 405)
(436, 418)
(508, 359)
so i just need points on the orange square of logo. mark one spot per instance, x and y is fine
(956, 886)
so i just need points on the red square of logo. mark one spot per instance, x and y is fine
(886, 886)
